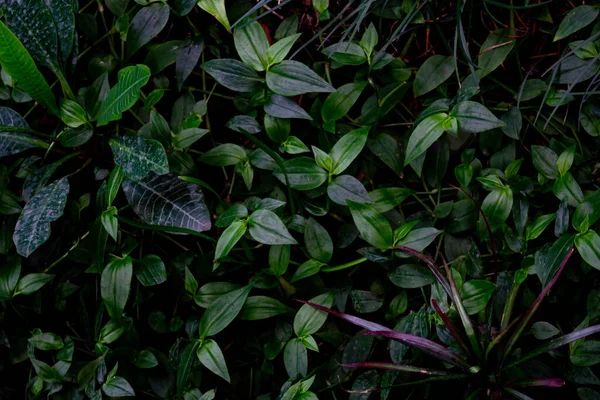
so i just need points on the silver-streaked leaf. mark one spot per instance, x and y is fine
(15, 142)
(138, 156)
(33, 226)
(168, 201)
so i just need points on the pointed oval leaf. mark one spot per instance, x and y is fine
(147, 23)
(302, 173)
(474, 117)
(216, 8)
(124, 94)
(588, 245)
(221, 312)
(292, 78)
(232, 74)
(252, 45)
(211, 356)
(118, 387)
(348, 148)
(318, 242)
(13, 142)
(33, 226)
(114, 286)
(434, 71)
(266, 227)
(578, 18)
(341, 101)
(282, 107)
(424, 135)
(373, 227)
(495, 49)
(168, 201)
(347, 187)
(138, 156)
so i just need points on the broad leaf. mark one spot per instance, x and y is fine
(187, 58)
(228, 240)
(309, 320)
(222, 312)
(115, 284)
(265, 227)
(588, 245)
(31, 283)
(278, 51)
(497, 206)
(282, 107)
(475, 295)
(424, 135)
(318, 242)
(118, 387)
(374, 228)
(63, 13)
(291, 78)
(494, 50)
(124, 94)
(474, 118)
(13, 142)
(17, 62)
(347, 149)
(434, 71)
(262, 307)
(137, 156)
(216, 8)
(252, 45)
(346, 187)
(33, 227)
(339, 103)
(302, 172)
(233, 74)
(576, 19)
(147, 23)
(210, 355)
(168, 201)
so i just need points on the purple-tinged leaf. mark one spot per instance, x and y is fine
(451, 327)
(427, 346)
(533, 308)
(422, 344)
(397, 367)
(554, 344)
(542, 382)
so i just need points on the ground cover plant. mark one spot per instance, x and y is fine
(299, 200)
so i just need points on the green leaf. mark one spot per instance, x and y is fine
(348, 148)
(168, 201)
(145, 359)
(237, 211)
(374, 228)
(565, 160)
(233, 74)
(138, 156)
(318, 242)
(278, 51)
(346, 187)
(110, 222)
(589, 209)
(147, 23)
(63, 13)
(228, 239)
(497, 206)
(9, 276)
(46, 341)
(33, 227)
(186, 362)
(578, 18)
(339, 103)
(278, 129)
(262, 307)
(588, 246)
(418, 239)
(292, 78)
(535, 229)
(221, 312)
(586, 355)
(118, 387)
(474, 118)
(306, 269)
(216, 8)
(187, 58)
(124, 94)
(282, 107)
(302, 172)
(386, 148)
(210, 355)
(548, 260)
(114, 286)
(212, 291)
(544, 160)
(75, 137)
(567, 189)
(187, 137)
(17, 62)
(265, 227)
(12, 138)
(425, 134)
(252, 45)
(151, 270)
(308, 319)
(279, 259)
(386, 199)
(494, 50)
(543, 330)
(411, 276)
(190, 283)
(513, 123)
(532, 89)
(113, 330)
(476, 294)
(434, 71)
(72, 114)
(369, 40)
(224, 155)
(31, 283)
(295, 359)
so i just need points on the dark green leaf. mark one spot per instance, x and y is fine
(262, 307)
(474, 118)
(118, 387)
(124, 94)
(151, 270)
(318, 242)
(147, 23)
(588, 245)
(210, 355)
(221, 312)
(302, 173)
(232, 74)
(494, 50)
(252, 44)
(115, 284)
(476, 294)
(372, 226)
(339, 103)
(434, 71)
(346, 187)
(576, 19)
(265, 227)
(291, 78)
(137, 156)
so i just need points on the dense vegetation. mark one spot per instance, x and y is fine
(294, 200)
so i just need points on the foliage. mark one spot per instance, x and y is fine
(299, 200)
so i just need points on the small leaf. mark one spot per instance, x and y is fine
(434, 71)
(145, 359)
(292, 78)
(147, 23)
(544, 160)
(224, 155)
(228, 240)
(588, 245)
(252, 44)
(474, 118)
(425, 134)
(411, 276)
(46, 341)
(262, 307)
(151, 271)
(495, 49)
(497, 206)
(278, 51)
(33, 227)
(347, 149)
(9, 276)
(308, 319)
(232, 74)
(118, 387)
(295, 359)
(339, 103)
(72, 114)
(138, 156)
(12, 138)
(265, 227)
(543, 330)
(565, 160)
(31, 283)
(216, 8)
(282, 107)
(210, 355)
(346, 187)
(302, 173)
(535, 229)
(476, 294)
(115, 284)
(125, 93)
(586, 355)
(221, 312)
(578, 18)
(372, 226)
(318, 242)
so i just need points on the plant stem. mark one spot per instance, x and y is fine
(344, 266)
